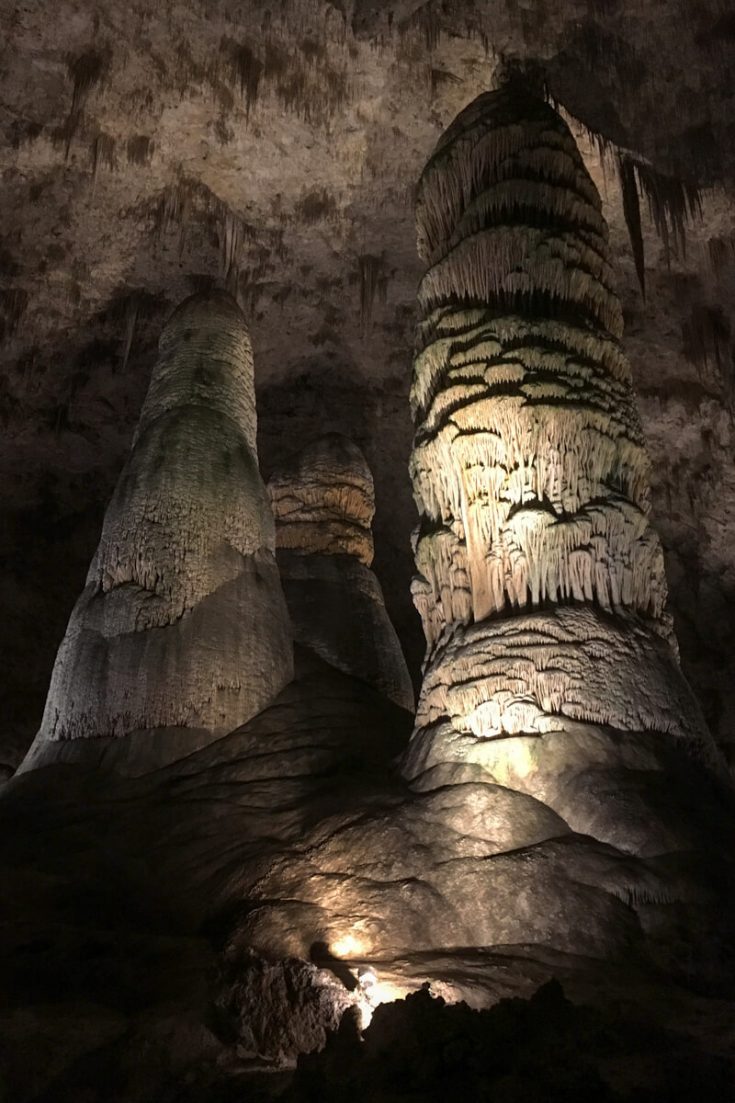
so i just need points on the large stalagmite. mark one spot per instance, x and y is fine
(323, 501)
(550, 657)
(181, 633)
(559, 793)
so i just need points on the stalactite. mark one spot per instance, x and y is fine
(304, 80)
(131, 317)
(86, 71)
(672, 203)
(721, 253)
(128, 310)
(188, 199)
(373, 284)
(425, 21)
(248, 70)
(707, 338)
(13, 305)
(632, 214)
(139, 149)
(103, 153)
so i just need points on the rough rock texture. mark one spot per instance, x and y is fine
(528, 467)
(543, 1048)
(131, 922)
(157, 149)
(324, 501)
(181, 632)
(549, 667)
(184, 928)
(145, 154)
(218, 914)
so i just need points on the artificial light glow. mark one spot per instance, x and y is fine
(371, 992)
(347, 946)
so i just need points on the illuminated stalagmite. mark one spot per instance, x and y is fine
(550, 657)
(182, 624)
(323, 501)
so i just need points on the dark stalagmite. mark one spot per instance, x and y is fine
(323, 501)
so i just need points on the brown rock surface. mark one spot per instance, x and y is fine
(323, 500)
(146, 922)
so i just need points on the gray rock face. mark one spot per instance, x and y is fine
(181, 632)
(324, 502)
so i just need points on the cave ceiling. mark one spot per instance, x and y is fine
(151, 149)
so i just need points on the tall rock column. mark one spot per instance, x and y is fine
(323, 501)
(550, 657)
(181, 633)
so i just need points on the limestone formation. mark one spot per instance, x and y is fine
(529, 466)
(323, 501)
(181, 633)
(550, 658)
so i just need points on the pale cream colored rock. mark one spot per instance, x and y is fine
(551, 666)
(182, 623)
(529, 467)
(582, 711)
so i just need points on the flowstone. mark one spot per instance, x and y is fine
(551, 664)
(560, 792)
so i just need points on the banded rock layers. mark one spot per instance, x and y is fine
(323, 501)
(550, 659)
(182, 624)
(529, 467)
(556, 800)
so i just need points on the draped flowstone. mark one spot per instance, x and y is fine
(181, 632)
(551, 664)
